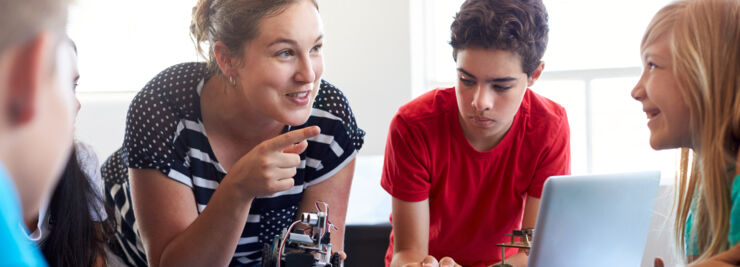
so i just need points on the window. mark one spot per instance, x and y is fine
(120, 48)
(592, 63)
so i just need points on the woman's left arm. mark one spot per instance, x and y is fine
(335, 192)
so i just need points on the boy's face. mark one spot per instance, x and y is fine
(41, 143)
(490, 88)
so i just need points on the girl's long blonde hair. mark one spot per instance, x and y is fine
(704, 37)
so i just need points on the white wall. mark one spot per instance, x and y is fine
(101, 121)
(367, 55)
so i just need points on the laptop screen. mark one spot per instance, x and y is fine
(594, 220)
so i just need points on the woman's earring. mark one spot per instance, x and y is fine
(232, 81)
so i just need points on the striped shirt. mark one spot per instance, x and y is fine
(164, 131)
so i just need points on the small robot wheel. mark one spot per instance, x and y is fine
(336, 260)
(267, 256)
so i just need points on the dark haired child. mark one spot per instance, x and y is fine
(460, 188)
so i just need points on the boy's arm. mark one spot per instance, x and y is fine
(410, 232)
(556, 162)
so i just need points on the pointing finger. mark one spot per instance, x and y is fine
(288, 139)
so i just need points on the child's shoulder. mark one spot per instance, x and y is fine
(434, 103)
(543, 111)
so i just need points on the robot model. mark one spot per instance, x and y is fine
(308, 247)
(525, 242)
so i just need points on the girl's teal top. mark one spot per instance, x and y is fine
(733, 235)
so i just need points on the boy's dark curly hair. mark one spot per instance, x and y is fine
(519, 26)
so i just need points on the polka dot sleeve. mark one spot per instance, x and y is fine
(340, 138)
(153, 117)
(331, 99)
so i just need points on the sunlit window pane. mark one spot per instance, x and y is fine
(123, 44)
(620, 134)
(589, 34)
(443, 12)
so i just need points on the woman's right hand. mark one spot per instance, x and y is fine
(270, 166)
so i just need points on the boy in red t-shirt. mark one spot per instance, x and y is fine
(466, 165)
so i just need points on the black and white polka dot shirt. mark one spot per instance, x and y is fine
(164, 131)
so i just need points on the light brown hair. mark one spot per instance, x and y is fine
(233, 22)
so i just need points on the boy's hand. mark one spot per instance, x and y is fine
(448, 262)
(430, 261)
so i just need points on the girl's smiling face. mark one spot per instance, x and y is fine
(657, 90)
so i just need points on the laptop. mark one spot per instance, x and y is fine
(594, 220)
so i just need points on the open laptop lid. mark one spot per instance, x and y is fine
(594, 220)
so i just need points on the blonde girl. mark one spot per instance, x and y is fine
(689, 91)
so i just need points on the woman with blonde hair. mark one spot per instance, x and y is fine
(690, 91)
(220, 156)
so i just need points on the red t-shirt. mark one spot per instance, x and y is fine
(475, 197)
